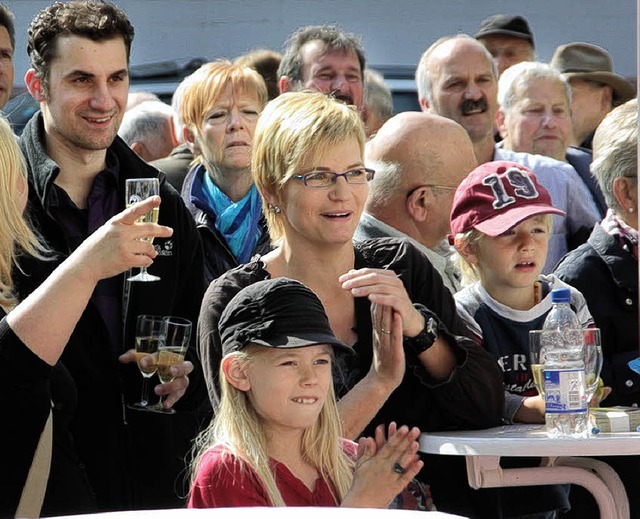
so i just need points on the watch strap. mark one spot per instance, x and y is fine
(429, 334)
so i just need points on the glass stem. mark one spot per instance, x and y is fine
(145, 391)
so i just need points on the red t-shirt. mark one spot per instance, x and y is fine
(222, 482)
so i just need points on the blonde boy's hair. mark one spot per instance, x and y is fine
(463, 241)
(16, 235)
(294, 130)
(239, 429)
(468, 241)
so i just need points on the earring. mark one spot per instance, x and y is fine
(275, 209)
(631, 209)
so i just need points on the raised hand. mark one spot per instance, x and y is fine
(117, 245)
(388, 364)
(384, 467)
(385, 288)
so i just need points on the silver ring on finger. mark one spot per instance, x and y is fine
(398, 469)
(386, 332)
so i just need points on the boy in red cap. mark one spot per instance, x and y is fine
(500, 221)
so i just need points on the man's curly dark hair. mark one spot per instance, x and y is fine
(91, 19)
(332, 36)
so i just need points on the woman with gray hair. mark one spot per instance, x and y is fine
(605, 269)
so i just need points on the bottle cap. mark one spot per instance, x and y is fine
(561, 295)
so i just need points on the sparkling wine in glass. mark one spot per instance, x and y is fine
(138, 189)
(592, 355)
(175, 335)
(536, 357)
(592, 360)
(148, 338)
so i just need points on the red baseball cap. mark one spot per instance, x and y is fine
(497, 196)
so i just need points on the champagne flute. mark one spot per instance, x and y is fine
(592, 355)
(592, 360)
(536, 355)
(175, 335)
(148, 330)
(138, 189)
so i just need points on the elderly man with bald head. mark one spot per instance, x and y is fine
(419, 160)
(458, 79)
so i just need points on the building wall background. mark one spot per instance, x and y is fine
(394, 32)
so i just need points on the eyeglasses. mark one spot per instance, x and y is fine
(437, 186)
(329, 178)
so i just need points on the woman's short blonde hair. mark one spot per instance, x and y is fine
(294, 130)
(16, 235)
(205, 86)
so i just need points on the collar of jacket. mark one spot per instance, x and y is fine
(43, 170)
(624, 270)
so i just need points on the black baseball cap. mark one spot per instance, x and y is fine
(508, 25)
(276, 313)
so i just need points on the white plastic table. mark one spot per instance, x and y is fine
(565, 460)
(291, 512)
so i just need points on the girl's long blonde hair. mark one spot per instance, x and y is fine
(239, 429)
(16, 235)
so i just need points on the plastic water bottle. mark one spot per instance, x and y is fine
(566, 412)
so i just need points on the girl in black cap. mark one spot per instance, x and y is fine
(276, 438)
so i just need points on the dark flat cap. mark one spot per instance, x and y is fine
(507, 25)
(276, 313)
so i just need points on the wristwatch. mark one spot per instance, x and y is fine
(429, 334)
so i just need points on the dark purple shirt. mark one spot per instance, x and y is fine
(79, 224)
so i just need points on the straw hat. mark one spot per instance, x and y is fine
(592, 63)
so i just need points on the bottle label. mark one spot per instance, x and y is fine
(564, 391)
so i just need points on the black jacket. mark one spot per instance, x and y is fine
(29, 388)
(132, 459)
(218, 258)
(472, 398)
(607, 276)
(580, 159)
(176, 165)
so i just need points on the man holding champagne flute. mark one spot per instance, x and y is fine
(78, 167)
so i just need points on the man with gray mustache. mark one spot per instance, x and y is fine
(326, 59)
(458, 79)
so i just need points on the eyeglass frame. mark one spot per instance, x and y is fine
(370, 173)
(437, 186)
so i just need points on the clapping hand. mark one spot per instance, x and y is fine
(388, 364)
(385, 288)
(385, 466)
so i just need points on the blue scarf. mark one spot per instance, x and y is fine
(236, 221)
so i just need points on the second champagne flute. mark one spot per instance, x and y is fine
(148, 330)
(176, 333)
(138, 189)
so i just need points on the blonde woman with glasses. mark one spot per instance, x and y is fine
(412, 363)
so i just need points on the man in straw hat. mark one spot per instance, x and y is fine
(595, 88)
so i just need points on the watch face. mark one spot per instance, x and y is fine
(432, 327)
